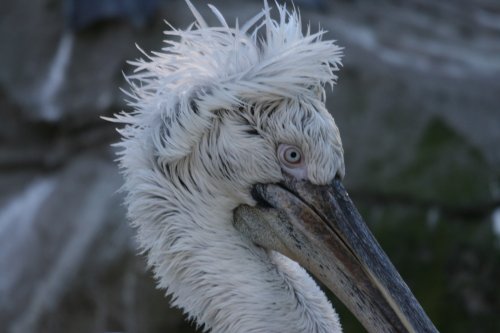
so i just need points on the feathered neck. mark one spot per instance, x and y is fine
(184, 218)
(221, 280)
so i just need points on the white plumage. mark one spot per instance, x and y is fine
(209, 112)
(230, 158)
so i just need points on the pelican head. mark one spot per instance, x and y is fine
(233, 170)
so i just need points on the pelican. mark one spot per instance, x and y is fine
(233, 171)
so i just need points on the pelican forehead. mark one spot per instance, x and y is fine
(305, 123)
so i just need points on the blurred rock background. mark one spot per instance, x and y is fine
(417, 103)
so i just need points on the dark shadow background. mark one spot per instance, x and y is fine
(417, 103)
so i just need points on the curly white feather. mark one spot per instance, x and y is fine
(225, 66)
(178, 156)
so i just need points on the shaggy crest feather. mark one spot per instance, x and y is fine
(224, 66)
(208, 110)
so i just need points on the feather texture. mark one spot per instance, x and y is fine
(223, 67)
(203, 130)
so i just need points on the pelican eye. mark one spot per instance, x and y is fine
(290, 156)
(292, 161)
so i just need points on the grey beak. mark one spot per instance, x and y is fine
(320, 228)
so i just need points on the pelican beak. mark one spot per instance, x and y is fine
(321, 229)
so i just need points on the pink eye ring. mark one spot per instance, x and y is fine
(292, 162)
(292, 155)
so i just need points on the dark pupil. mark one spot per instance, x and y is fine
(293, 155)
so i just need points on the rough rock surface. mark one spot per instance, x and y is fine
(418, 108)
